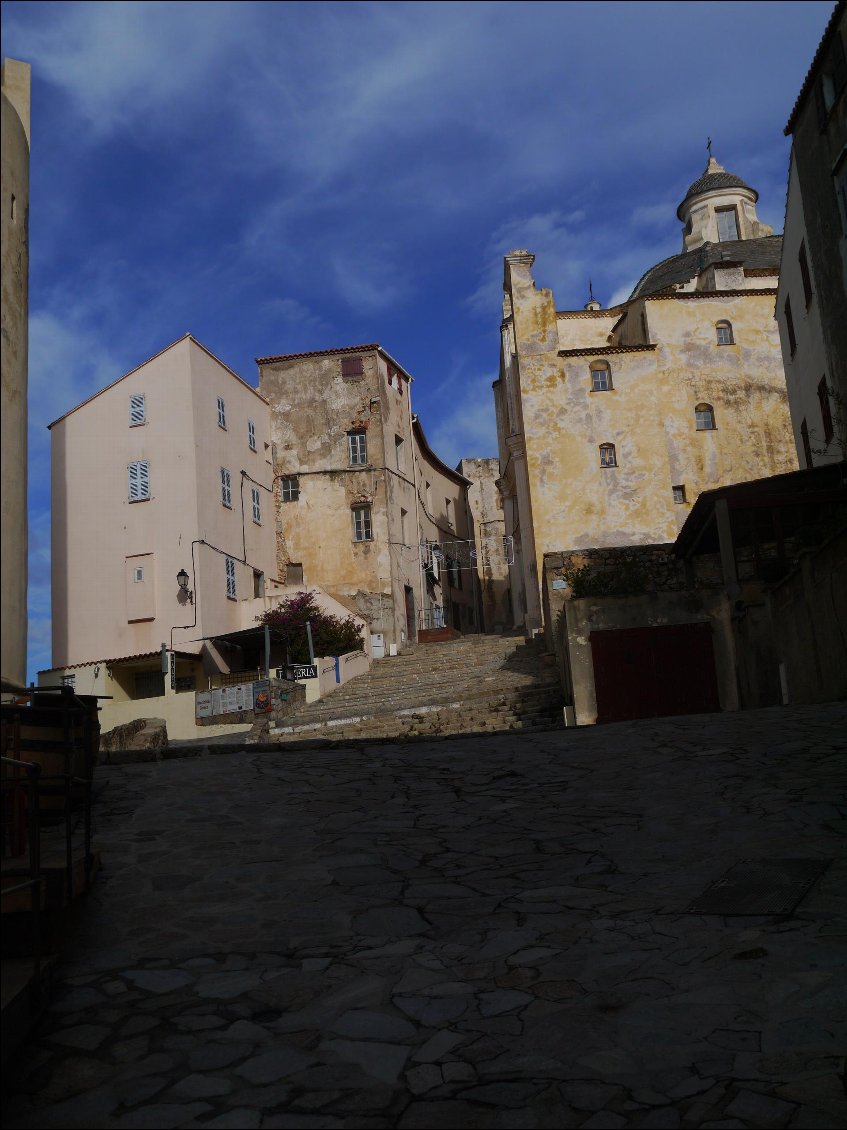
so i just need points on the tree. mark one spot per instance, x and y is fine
(331, 635)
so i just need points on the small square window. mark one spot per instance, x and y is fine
(704, 418)
(69, 681)
(289, 488)
(362, 524)
(294, 573)
(357, 443)
(221, 413)
(137, 574)
(601, 378)
(251, 435)
(724, 333)
(679, 495)
(608, 456)
(136, 410)
(352, 368)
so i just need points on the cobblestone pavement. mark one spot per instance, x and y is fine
(484, 932)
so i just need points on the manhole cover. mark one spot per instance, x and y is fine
(760, 886)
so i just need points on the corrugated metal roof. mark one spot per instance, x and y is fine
(119, 659)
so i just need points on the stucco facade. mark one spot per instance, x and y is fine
(492, 555)
(14, 210)
(611, 422)
(811, 306)
(365, 509)
(138, 494)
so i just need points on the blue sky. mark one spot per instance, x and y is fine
(276, 177)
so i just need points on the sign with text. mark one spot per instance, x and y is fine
(262, 702)
(298, 672)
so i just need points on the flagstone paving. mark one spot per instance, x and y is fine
(482, 932)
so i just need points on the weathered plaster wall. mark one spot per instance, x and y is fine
(809, 362)
(486, 507)
(819, 154)
(313, 407)
(649, 415)
(13, 406)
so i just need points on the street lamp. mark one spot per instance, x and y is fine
(182, 581)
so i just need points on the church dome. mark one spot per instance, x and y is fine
(714, 179)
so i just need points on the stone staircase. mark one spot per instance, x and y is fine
(475, 684)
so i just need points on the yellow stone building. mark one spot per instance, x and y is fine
(612, 421)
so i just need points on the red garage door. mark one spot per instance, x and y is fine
(650, 672)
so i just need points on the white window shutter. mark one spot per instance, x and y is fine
(133, 482)
(136, 410)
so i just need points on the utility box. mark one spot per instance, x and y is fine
(392, 649)
(377, 645)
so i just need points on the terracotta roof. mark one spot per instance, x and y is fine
(319, 353)
(118, 659)
(756, 253)
(829, 31)
(682, 295)
(605, 349)
(609, 311)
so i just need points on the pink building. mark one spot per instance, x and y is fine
(166, 472)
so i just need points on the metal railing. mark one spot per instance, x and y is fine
(432, 617)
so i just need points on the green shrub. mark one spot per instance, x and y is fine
(330, 634)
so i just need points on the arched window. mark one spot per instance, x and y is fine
(724, 332)
(601, 376)
(704, 417)
(608, 458)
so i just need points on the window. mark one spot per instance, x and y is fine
(704, 418)
(727, 224)
(294, 573)
(826, 410)
(149, 684)
(601, 376)
(804, 274)
(352, 368)
(226, 488)
(608, 457)
(679, 494)
(221, 413)
(362, 529)
(139, 481)
(357, 443)
(398, 452)
(230, 578)
(136, 410)
(69, 681)
(137, 574)
(807, 447)
(789, 325)
(257, 505)
(251, 435)
(258, 584)
(724, 332)
(289, 488)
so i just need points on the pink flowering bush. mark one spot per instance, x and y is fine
(330, 634)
